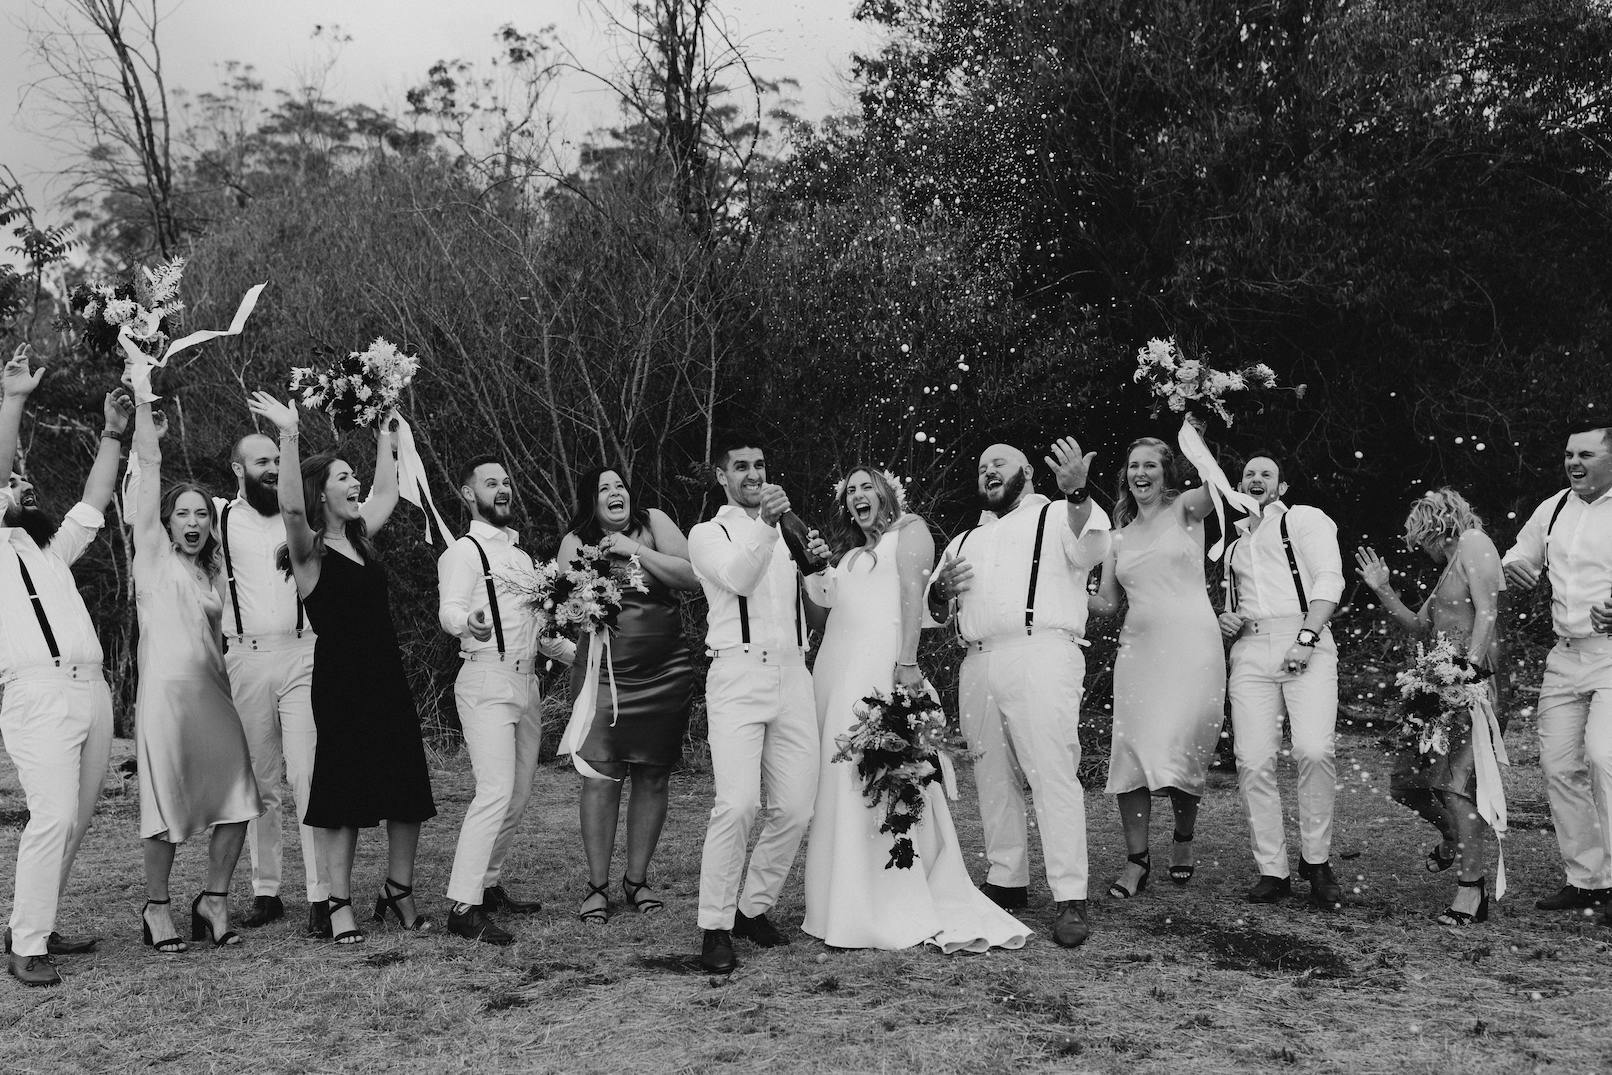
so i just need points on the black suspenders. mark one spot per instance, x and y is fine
(229, 574)
(1231, 577)
(1556, 512)
(1233, 597)
(1035, 569)
(39, 611)
(492, 593)
(744, 611)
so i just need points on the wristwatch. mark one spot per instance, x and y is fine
(1307, 637)
(1078, 496)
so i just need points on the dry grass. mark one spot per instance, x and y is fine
(1181, 979)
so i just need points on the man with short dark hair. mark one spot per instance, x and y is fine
(269, 654)
(496, 693)
(1568, 539)
(56, 716)
(759, 704)
(1284, 578)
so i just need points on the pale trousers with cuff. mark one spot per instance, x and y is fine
(57, 728)
(762, 728)
(1020, 702)
(1261, 697)
(273, 691)
(1575, 754)
(503, 728)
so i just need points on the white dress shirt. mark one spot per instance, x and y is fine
(22, 641)
(1264, 581)
(1580, 560)
(735, 555)
(1000, 550)
(268, 598)
(462, 592)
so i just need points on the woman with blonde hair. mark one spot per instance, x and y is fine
(1463, 607)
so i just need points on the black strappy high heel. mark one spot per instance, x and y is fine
(1436, 862)
(1182, 874)
(631, 889)
(346, 936)
(596, 916)
(170, 946)
(201, 927)
(388, 899)
(1452, 917)
(1142, 859)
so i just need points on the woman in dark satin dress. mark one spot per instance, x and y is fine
(641, 732)
(369, 761)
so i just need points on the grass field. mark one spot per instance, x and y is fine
(1181, 979)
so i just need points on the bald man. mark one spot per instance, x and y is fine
(269, 652)
(1015, 587)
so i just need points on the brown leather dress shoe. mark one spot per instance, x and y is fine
(33, 970)
(1070, 929)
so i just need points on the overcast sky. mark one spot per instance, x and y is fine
(395, 41)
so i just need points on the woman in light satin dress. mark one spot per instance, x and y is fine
(195, 772)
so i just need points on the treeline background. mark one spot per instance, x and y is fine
(1403, 206)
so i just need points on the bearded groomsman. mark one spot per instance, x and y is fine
(1284, 580)
(1015, 585)
(56, 718)
(1568, 539)
(269, 655)
(496, 693)
(759, 705)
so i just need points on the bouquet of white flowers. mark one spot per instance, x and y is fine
(360, 390)
(583, 597)
(143, 307)
(1182, 383)
(1438, 693)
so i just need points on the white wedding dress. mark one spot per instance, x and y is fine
(852, 901)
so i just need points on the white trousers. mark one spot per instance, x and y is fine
(1020, 702)
(273, 694)
(498, 711)
(763, 727)
(1261, 696)
(58, 731)
(1575, 753)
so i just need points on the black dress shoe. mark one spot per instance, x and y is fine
(1270, 889)
(495, 900)
(1573, 898)
(1070, 929)
(474, 925)
(265, 909)
(57, 945)
(716, 952)
(319, 919)
(1006, 897)
(758, 930)
(1325, 892)
(32, 970)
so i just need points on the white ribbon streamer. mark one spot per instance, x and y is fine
(1488, 754)
(237, 323)
(411, 481)
(1214, 479)
(587, 705)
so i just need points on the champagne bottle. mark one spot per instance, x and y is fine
(795, 533)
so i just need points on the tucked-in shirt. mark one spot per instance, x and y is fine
(462, 592)
(734, 556)
(1264, 579)
(22, 640)
(1579, 564)
(1001, 550)
(267, 595)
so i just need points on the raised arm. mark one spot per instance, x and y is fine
(915, 559)
(1483, 576)
(116, 408)
(1373, 571)
(17, 383)
(149, 429)
(736, 562)
(383, 496)
(299, 536)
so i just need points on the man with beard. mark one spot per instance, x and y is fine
(759, 704)
(269, 653)
(1568, 540)
(1015, 587)
(496, 693)
(56, 717)
(1284, 577)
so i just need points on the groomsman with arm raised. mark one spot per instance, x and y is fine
(759, 704)
(1568, 540)
(1016, 588)
(56, 717)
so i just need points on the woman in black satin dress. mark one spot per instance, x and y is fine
(639, 732)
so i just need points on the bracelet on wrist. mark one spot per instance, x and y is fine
(906, 664)
(289, 434)
(111, 434)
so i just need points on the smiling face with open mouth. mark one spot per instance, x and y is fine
(492, 493)
(1003, 474)
(1262, 480)
(864, 501)
(1588, 463)
(190, 522)
(742, 475)
(1144, 475)
(343, 495)
(612, 504)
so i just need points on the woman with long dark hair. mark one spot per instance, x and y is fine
(638, 727)
(1170, 672)
(369, 760)
(195, 770)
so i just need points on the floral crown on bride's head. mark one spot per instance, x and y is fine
(894, 482)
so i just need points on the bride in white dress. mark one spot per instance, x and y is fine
(874, 589)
